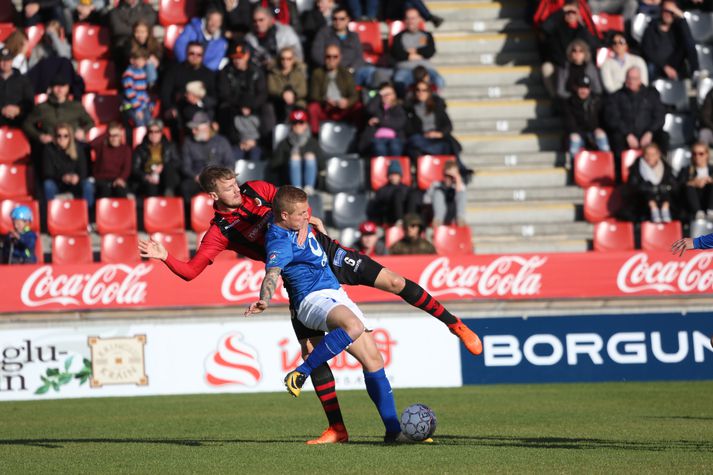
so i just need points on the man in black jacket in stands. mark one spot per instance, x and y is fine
(16, 95)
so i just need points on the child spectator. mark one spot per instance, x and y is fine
(698, 178)
(448, 197)
(112, 166)
(301, 151)
(143, 39)
(412, 242)
(394, 199)
(19, 243)
(369, 242)
(156, 163)
(137, 102)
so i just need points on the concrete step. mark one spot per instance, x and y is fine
(518, 178)
(509, 143)
(499, 25)
(479, 126)
(559, 194)
(531, 90)
(575, 229)
(525, 212)
(471, 76)
(475, 10)
(478, 43)
(499, 109)
(562, 244)
(508, 58)
(540, 159)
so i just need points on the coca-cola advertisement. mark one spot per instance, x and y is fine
(236, 282)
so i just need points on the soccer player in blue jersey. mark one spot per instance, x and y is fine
(685, 244)
(321, 304)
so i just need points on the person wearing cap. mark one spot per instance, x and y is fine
(369, 242)
(268, 37)
(298, 155)
(18, 245)
(207, 31)
(579, 64)
(195, 100)
(394, 199)
(413, 241)
(16, 97)
(137, 102)
(112, 163)
(583, 119)
(448, 197)
(156, 163)
(614, 69)
(287, 84)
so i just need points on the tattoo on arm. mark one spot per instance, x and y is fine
(269, 283)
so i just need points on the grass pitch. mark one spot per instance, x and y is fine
(615, 427)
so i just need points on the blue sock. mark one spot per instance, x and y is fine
(379, 391)
(331, 345)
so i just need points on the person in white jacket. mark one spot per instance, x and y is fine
(614, 69)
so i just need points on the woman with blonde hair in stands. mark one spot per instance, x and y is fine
(65, 166)
(579, 64)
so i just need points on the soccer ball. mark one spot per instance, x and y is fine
(418, 422)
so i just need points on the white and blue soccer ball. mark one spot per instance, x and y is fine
(418, 422)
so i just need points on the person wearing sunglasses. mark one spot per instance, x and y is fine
(413, 241)
(112, 165)
(287, 84)
(267, 37)
(614, 69)
(579, 64)
(698, 177)
(448, 197)
(155, 163)
(65, 166)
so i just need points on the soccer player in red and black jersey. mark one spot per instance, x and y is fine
(242, 213)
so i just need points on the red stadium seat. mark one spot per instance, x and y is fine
(8, 12)
(176, 12)
(6, 207)
(103, 108)
(15, 180)
(6, 30)
(175, 243)
(429, 168)
(34, 34)
(593, 168)
(608, 22)
(379, 167)
(90, 41)
(99, 75)
(600, 203)
(370, 36)
(225, 255)
(163, 214)
(39, 251)
(393, 234)
(116, 216)
(201, 212)
(659, 236)
(40, 98)
(116, 248)
(453, 240)
(95, 132)
(137, 135)
(14, 146)
(397, 26)
(628, 157)
(611, 235)
(170, 36)
(71, 250)
(67, 217)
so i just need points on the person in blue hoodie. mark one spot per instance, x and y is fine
(206, 31)
(19, 243)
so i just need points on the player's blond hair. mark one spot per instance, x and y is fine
(209, 175)
(286, 198)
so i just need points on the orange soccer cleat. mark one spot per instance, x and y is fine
(467, 336)
(335, 434)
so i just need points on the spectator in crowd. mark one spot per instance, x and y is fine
(207, 32)
(84, 11)
(635, 116)
(332, 92)
(615, 67)
(156, 163)
(413, 242)
(413, 47)
(298, 155)
(315, 19)
(237, 15)
(143, 39)
(651, 8)
(242, 97)
(123, 18)
(625, 8)
(395, 9)
(698, 178)
(559, 30)
(369, 242)
(448, 197)
(369, 11)
(35, 12)
(287, 85)
(582, 119)
(386, 121)
(16, 97)
(653, 183)
(579, 64)
(667, 45)
(704, 5)
(45, 71)
(394, 199)
(173, 85)
(195, 100)
(112, 166)
(419, 74)
(349, 45)
(65, 166)
(204, 147)
(268, 38)
(57, 109)
(52, 44)
(137, 102)
(548, 8)
(285, 12)
(705, 135)
(18, 45)
(18, 246)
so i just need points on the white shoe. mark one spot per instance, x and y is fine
(655, 215)
(700, 214)
(666, 215)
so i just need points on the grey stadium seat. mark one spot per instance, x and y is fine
(317, 205)
(679, 128)
(705, 58)
(345, 174)
(336, 138)
(638, 26)
(349, 236)
(679, 158)
(673, 93)
(280, 133)
(349, 210)
(248, 170)
(704, 86)
(701, 25)
(699, 227)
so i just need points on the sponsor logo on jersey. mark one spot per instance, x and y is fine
(339, 257)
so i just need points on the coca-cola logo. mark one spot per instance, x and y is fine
(504, 276)
(112, 283)
(243, 281)
(638, 274)
(234, 362)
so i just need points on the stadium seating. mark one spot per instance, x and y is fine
(704, 86)
(429, 168)
(279, 133)
(452, 240)
(14, 147)
(638, 26)
(705, 58)
(305, 5)
(628, 157)
(99, 75)
(67, 217)
(8, 12)
(39, 252)
(71, 250)
(397, 26)
(90, 41)
(171, 34)
(15, 180)
(40, 98)
(701, 25)
(119, 248)
(95, 132)
(137, 135)
(176, 243)
(163, 214)
(6, 30)
(6, 207)
(600, 203)
(316, 205)
(602, 55)
(611, 235)
(249, 170)
(393, 234)
(659, 236)
(673, 93)
(348, 237)
(116, 216)
(349, 210)
(177, 12)
(379, 167)
(370, 36)
(34, 34)
(608, 22)
(336, 138)
(699, 227)
(680, 129)
(344, 174)
(103, 108)
(201, 212)
(679, 158)
(593, 168)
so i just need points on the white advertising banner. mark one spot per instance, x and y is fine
(151, 357)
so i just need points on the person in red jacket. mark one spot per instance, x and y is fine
(242, 213)
(112, 163)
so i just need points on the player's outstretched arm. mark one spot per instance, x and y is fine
(152, 250)
(317, 224)
(681, 246)
(267, 290)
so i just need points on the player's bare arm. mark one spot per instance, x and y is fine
(317, 224)
(267, 290)
(152, 250)
(681, 246)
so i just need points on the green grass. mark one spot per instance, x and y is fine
(603, 428)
